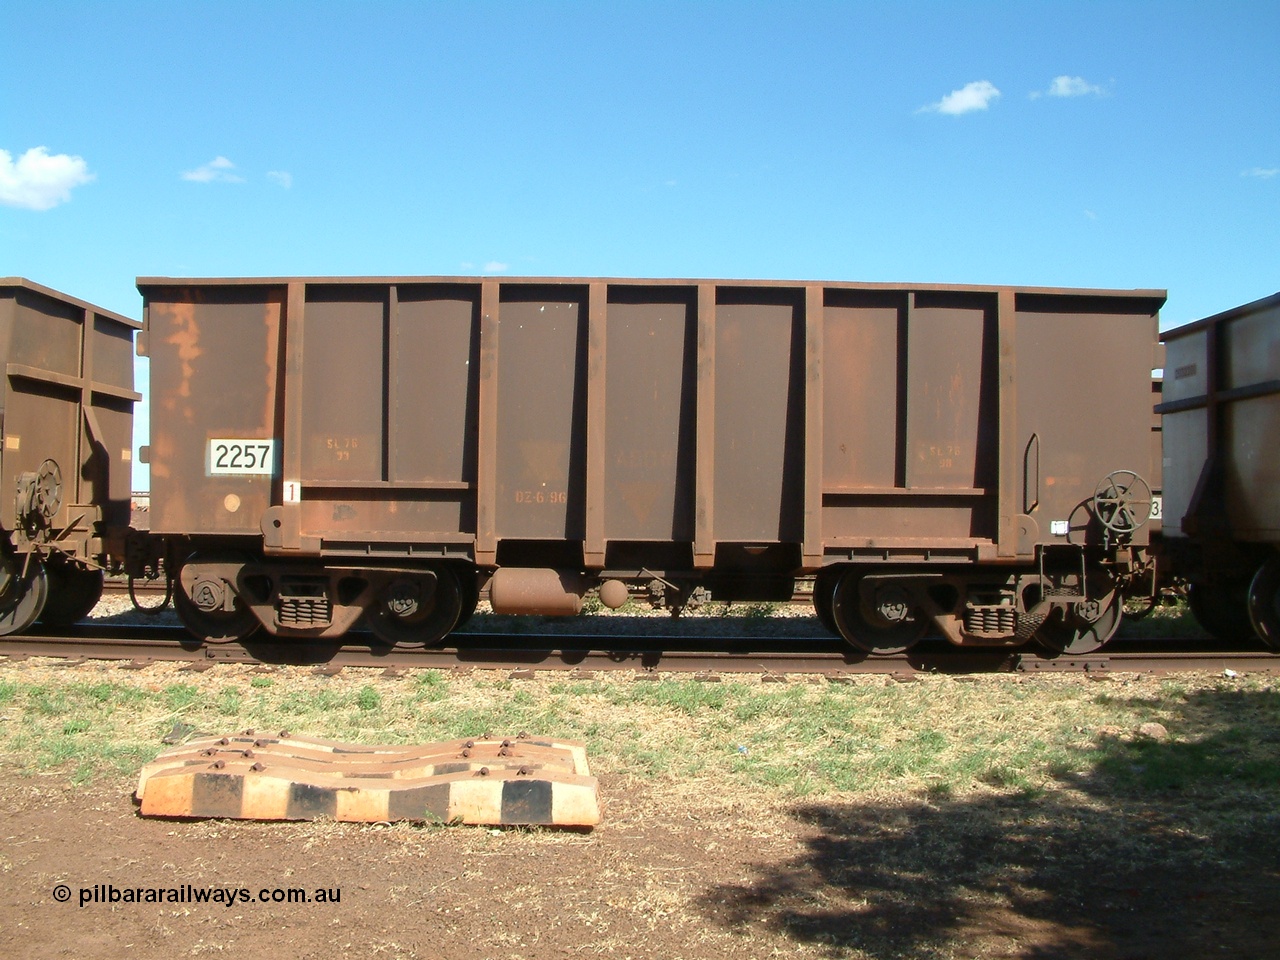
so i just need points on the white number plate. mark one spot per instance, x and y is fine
(242, 458)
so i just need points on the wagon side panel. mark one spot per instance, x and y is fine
(540, 479)
(759, 416)
(650, 415)
(216, 413)
(909, 422)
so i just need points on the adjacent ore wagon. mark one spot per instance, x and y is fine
(67, 424)
(975, 461)
(1221, 414)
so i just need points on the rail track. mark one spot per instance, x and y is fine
(580, 654)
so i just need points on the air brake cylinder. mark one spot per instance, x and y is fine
(524, 590)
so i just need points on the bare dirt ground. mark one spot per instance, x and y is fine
(673, 872)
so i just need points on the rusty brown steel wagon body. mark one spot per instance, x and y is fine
(971, 460)
(67, 423)
(1221, 411)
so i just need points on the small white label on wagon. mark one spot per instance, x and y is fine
(1059, 528)
(238, 458)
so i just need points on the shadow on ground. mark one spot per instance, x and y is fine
(1159, 849)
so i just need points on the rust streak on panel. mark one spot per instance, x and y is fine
(271, 368)
(704, 547)
(597, 313)
(487, 448)
(186, 338)
(814, 319)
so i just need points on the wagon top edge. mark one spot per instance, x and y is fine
(1157, 297)
(1244, 310)
(9, 283)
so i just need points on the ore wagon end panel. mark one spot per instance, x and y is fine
(66, 456)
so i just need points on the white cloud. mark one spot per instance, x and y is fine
(217, 170)
(972, 96)
(496, 266)
(39, 181)
(283, 177)
(1065, 86)
(1261, 173)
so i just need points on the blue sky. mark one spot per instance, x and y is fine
(1074, 144)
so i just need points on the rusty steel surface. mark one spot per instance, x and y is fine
(68, 399)
(337, 446)
(705, 398)
(520, 780)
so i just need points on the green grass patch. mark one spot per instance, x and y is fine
(939, 738)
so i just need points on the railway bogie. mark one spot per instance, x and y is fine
(224, 596)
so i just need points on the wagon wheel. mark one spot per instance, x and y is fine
(1084, 627)
(217, 626)
(73, 592)
(888, 624)
(1122, 502)
(1264, 603)
(417, 611)
(203, 613)
(22, 598)
(1221, 607)
(824, 588)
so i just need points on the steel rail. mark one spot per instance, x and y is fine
(523, 655)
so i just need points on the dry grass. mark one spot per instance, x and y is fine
(938, 737)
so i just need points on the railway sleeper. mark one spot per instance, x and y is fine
(487, 780)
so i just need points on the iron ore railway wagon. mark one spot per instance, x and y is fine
(972, 461)
(1221, 421)
(66, 416)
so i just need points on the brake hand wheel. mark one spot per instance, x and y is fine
(1122, 502)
